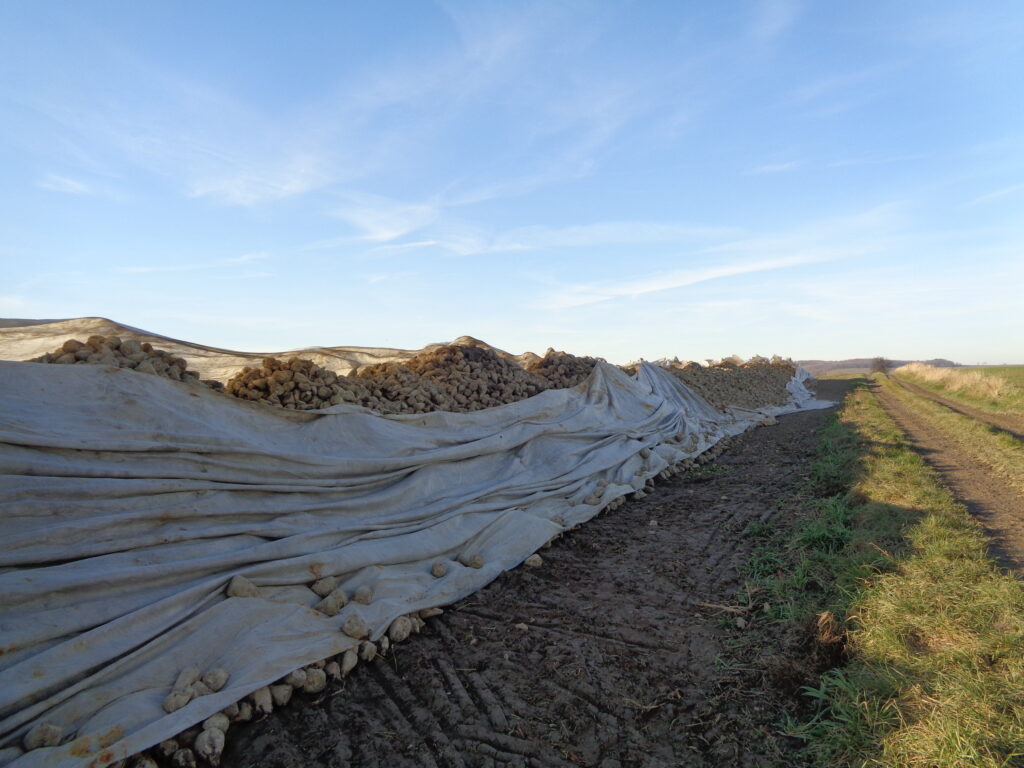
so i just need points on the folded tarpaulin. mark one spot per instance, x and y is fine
(129, 501)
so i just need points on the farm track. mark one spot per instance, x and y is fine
(998, 507)
(1012, 425)
(617, 659)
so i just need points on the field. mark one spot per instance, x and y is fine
(1012, 373)
(995, 390)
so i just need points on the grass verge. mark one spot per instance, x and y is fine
(934, 672)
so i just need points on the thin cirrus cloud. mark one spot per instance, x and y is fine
(995, 194)
(246, 258)
(775, 168)
(467, 240)
(771, 18)
(56, 183)
(293, 177)
(583, 294)
(247, 156)
(380, 219)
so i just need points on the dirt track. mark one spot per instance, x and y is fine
(613, 653)
(995, 505)
(1004, 421)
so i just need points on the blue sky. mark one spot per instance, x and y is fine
(624, 179)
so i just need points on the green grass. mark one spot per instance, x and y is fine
(935, 631)
(1012, 373)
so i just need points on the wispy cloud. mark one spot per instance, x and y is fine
(605, 233)
(792, 165)
(829, 84)
(468, 240)
(773, 17)
(817, 242)
(145, 269)
(839, 93)
(381, 219)
(877, 160)
(244, 182)
(593, 293)
(246, 258)
(56, 183)
(996, 194)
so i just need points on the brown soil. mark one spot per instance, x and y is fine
(994, 504)
(630, 646)
(1007, 422)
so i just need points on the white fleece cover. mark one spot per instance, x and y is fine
(128, 501)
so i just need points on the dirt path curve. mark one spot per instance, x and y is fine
(996, 506)
(1006, 422)
(610, 654)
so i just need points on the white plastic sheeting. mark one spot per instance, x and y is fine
(127, 503)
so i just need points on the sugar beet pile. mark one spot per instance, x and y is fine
(456, 377)
(654, 428)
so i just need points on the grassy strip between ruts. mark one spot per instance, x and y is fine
(1001, 454)
(934, 672)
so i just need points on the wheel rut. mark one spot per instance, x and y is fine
(1004, 422)
(994, 504)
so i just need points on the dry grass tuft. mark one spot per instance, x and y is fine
(972, 386)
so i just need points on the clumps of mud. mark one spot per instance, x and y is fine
(128, 353)
(560, 370)
(477, 377)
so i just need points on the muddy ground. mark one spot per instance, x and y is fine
(996, 505)
(630, 646)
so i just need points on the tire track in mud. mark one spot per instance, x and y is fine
(608, 655)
